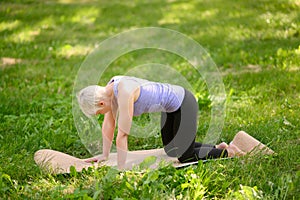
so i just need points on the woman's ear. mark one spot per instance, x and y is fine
(101, 103)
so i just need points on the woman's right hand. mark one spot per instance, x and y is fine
(96, 159)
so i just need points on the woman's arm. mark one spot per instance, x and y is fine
(122, 148)
(108, 128)
(126, 99)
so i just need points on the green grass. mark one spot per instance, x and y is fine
(255, 44)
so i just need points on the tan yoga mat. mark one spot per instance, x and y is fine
(58, 163)
(249, 144)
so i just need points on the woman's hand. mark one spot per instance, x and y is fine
(96, 159)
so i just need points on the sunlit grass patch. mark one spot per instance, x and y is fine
(69, 50)
(9, 25)
(9, 61)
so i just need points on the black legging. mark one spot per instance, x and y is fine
(179, 132)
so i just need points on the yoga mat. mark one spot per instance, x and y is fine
(56, 162)
(249, 144)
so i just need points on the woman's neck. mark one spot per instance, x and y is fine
(109, 91)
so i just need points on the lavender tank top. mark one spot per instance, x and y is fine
(154, 96)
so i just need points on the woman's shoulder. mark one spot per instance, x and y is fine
(127, 79)
(115, 79)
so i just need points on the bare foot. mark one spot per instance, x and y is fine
(222, 145)
(234, 151)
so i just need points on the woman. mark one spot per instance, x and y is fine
(124, 97)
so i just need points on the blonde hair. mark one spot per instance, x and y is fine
(89, 97)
